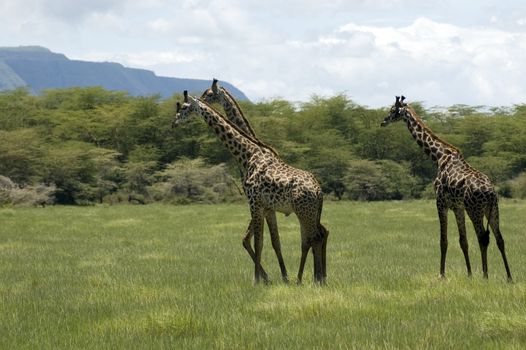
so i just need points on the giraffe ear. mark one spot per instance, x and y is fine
(185, 95)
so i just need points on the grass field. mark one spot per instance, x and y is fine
(158, 276)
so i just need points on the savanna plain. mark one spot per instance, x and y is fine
(161, 276)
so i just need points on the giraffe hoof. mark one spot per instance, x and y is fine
(319, 282)
(264, 277)
(266, 282)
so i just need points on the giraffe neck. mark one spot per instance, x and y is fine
(439, 150)
(241, 146)
(234, 113)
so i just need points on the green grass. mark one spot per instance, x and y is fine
(158, 276)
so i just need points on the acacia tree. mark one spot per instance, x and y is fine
(95, 144)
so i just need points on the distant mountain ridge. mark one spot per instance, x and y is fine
(39, 68)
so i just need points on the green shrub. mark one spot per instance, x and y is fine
(379, 180)
(518, 186)
(187, 181)
(11, 193)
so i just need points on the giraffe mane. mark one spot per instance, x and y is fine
(261, 143)
(426, 128)
(225, 91)
(235, 127)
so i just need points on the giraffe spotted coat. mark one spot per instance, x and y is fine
(459, 187)
(269, 184)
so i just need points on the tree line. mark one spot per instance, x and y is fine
(90, 145)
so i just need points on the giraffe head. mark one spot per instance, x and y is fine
(185, 110)
(211, 95)
(397, 111)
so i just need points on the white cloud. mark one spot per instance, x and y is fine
(435, 62)
(439, 63)
(371, 50)
(63, 10)
(161, 25)
(146, 59)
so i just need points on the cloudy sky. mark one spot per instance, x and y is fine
(439, 52)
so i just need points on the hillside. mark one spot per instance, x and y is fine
(39, 68)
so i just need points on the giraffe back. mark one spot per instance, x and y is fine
(461, 185)
(281, 187)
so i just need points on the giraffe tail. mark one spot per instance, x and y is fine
(489, 216)
(322, 231)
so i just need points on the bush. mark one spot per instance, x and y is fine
(11, 193)
(497, 169)
(103, 146)
(428, 192)
(187, 181)
(6, 186)
(380, 180)
(139, 176)
(518, 186)
(505, 189)
(125, 197)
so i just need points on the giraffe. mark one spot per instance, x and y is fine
(270, 185)
(218, 94)
(458, 186)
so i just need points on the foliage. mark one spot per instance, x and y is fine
(21, 152)
(13, 194)
(518, 186)
(379, 180)
(98, 146)
(191, 180)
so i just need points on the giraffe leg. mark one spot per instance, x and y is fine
(248, 248)
(274, 237)
(257, 231)
(461, 223)
(324, 252)
(477, 217)
(442, 216)
(304, 251)
(311, 238)
(317, 236)
(318, 267)
(493, 220)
